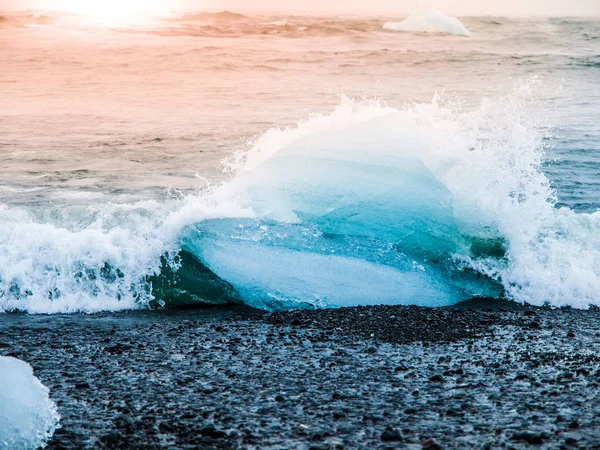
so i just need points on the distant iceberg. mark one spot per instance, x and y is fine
(430, 21)
(28, 418)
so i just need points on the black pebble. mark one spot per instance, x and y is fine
(571, 442)
(111, 438)
(430, 444)
(529, 437)
(339, 414)
(212, 432)
(391, 435)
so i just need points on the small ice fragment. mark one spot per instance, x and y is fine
(28, 418)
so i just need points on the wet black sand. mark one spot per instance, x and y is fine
(382, 377)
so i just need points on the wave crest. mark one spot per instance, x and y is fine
(370, 204)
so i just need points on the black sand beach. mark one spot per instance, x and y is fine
(364, 378)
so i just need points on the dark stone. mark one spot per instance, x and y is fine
(529, 437)
(212, 432)
(339, 415)
(431, 444)
(125, 424)
(391, 435)
(437, 379)
(231, 377)
(571, 442)
(118, 349)
(111, 439)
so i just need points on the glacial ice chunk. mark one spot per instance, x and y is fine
(342, 219)
(430, 21)
(272, 277)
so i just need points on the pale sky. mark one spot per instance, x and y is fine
(372, 7)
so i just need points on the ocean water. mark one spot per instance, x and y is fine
(293, 162)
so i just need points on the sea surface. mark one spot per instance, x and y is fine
(297, 162)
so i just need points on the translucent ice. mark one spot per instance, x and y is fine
(28, 418)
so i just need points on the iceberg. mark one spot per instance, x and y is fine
(430, 21)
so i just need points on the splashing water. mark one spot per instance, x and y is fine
(370, 204)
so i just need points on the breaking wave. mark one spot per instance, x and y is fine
(29, 18)
(426, 205)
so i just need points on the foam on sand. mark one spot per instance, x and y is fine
(430, 21)
(28, 418)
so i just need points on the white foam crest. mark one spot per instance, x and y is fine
(57, 264)
(490, 160)
(483, 165)
(429, 21)
(94, 258)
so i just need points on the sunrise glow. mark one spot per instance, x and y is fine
(116, 12)
(300, 224)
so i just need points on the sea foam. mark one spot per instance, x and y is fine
(370, 204)
(430, 21)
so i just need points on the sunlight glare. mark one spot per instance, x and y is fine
(116, 12)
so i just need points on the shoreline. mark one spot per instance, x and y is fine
(362, 377)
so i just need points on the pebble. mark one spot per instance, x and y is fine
(529, 437)
(391, 435)
(212, 432)
(246, 380)
(431, 444)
